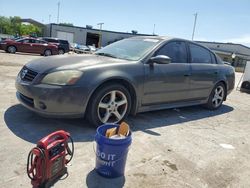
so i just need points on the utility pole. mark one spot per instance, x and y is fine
(195, 19)
(154, 30)
(100, 35)
(58, 10)
(49, 18)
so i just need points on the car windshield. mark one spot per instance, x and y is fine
(129, 49)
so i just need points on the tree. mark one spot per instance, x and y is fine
(30, 29)
(5, 25)
(14, 26)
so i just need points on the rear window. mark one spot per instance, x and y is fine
(51, 40)
(199, 54)
(63, 41)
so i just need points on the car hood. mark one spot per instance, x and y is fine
(65, 62)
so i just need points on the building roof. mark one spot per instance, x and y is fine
(227, 47)
(34, 22)
(225, 43)
(101, 30)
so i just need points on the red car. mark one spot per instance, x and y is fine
(29, 45)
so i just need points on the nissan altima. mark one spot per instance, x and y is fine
(133, 75)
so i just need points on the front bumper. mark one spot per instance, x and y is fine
(52, 101)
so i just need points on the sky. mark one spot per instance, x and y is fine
(217, 20)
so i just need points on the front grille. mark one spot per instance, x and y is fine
(27, 74)
(27, 100)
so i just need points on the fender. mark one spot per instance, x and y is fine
(105, 75)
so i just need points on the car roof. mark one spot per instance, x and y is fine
(40, 39)
(53, 38)
(165, 38)
(168, 38)
(30, 38)
(154, 37)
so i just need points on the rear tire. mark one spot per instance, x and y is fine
(61, 52)
(47, 52)
(11, 49)
(216, 97)
(109, 104)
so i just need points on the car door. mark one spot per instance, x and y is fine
(23, 45)
(204, 71)
(168, 83)
(34, 46)
(38, 46)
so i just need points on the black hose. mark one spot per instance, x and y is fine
(70, 152)
(30, 161)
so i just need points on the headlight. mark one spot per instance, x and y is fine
(67, 77)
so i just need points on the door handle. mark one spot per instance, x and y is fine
(216, 72)
(189, 74)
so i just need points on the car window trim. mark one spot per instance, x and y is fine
(214, 59)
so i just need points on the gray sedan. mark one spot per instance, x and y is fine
(127, 77)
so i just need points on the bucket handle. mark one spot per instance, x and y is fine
(99, 158)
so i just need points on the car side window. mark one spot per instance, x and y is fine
(199, 54)
(39, 42)
(25, 41)
(63, 41)
(32, 41)
(51, 40)
(175, 50)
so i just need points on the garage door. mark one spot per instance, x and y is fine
(65, 35)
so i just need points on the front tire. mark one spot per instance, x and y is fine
(216, 97)
(109, 104)
(11, 49)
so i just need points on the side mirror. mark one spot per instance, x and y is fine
(160, 59)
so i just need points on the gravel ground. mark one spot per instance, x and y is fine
(17, 59)
(186, 147)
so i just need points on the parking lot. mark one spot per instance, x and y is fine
(186, 147)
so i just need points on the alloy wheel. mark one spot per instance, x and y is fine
(112, 107)
(60, 52)
(47, 53)
(12, 49)
(218, 96)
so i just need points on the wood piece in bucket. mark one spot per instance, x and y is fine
(123, 129)
(110, 132)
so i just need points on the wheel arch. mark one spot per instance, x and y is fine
(118, 80)
(11, 45)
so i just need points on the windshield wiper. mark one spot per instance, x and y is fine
(105, 54)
